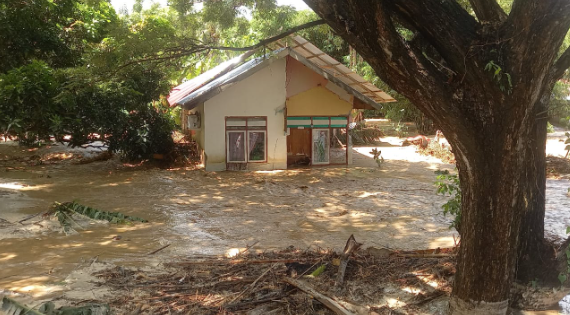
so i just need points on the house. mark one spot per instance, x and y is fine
(289, 107)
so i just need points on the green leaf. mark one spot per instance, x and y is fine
(562, 278)
(11, 307)
(319, 271)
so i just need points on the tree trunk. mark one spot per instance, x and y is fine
(494, 195)
(485, 83)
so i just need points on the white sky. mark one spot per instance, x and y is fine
(118, 4)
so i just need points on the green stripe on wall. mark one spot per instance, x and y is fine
(338, 126)
(338, 118)
(298, 118)
(320, 118)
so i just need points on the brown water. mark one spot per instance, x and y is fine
(219, 213)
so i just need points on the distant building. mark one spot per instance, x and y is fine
(287, 108)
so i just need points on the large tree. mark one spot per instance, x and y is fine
(485, 80)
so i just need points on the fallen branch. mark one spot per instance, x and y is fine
(351, 246)
(242, 305)
(427, 299)
(328, 302)
(158, 250)
(252, 285)
(30, 217)
(425, 255)
(244, 261)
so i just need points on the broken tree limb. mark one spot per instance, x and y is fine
(351, 246)
(31, 217)
(252, 285)
(158, 250)
(328, 302)
(425, 255)
(244, 261)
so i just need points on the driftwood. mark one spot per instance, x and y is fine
(328, 302)
(351, 246)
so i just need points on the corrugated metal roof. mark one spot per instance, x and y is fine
(192, 85)
(216, 85)
(190, 94)
(331, 66)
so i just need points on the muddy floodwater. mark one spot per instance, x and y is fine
(207, 213)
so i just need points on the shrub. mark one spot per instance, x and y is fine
(448, 184)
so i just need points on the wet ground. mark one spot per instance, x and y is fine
(202, 213)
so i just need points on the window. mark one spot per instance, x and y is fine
(246, 139)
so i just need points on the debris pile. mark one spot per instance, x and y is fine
(291, 281)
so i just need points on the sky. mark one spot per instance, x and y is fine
(118, 4)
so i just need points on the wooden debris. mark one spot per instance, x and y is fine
(351, 246)
(31, 217)
(158, 250)
(245, 250)
(245, 261)
(221, 285)
(328, 302)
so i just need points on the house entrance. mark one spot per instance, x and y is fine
(299, 147)
(316, 141)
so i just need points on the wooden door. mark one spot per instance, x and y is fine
(299, 147)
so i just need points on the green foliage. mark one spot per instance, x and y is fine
(563, 276)
(448, 184)
(377, 156)
(26, 102)
(64, 213)
(503, 79)
(401, 129)
(567, 143)
(143, 134)
(402, 109)
(54, 31)
(549, 127)
(559, 106)
(12, 307)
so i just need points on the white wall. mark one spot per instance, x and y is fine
(261, 94)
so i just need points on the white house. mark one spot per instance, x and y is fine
(289, 107)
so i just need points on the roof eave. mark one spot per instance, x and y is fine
(206, 95)
(335, 80)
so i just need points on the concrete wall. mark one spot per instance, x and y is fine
(318, 101)
(310, 94)
(300, 78)
(260, 94)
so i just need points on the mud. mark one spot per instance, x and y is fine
(201, 213)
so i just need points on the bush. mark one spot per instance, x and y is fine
(28, 109)
(144, 133)
(38, 102)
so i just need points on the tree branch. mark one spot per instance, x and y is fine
(368, 27)
(444, 24)
(560, 66)
(488, 10)
(273, 38)
(170, 54)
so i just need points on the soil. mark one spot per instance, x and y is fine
(214, 214)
